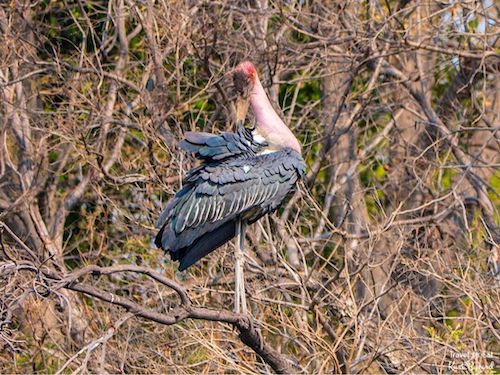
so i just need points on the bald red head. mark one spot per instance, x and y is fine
(247, 68)
(244, 76)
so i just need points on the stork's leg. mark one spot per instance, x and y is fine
(240, 301)
(243, 294)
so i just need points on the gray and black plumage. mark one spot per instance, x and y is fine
(239, 179)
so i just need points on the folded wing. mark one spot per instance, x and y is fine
(203, 215)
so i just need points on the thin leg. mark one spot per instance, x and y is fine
(243, 294)
(240, 303)
(237, 268)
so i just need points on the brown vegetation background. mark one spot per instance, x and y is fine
(387, 258)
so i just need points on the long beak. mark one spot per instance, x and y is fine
(241, 110)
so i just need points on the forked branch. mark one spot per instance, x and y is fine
(245, 325)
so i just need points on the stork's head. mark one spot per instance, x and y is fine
(244, 78)
(268, 125)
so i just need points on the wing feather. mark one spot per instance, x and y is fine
(194, 214)
(209, 203)
(233, 207)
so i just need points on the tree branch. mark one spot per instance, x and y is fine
(245, 324)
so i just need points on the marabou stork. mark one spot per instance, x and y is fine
(242, 177)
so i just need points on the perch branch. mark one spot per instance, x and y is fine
(248, 333)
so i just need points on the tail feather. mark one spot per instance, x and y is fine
(206, 244)
(202, 246)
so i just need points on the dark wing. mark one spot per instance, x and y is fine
(203, 215)
(217, 147)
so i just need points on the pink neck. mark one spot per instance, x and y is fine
(268, 121)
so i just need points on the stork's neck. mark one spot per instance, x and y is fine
(269, 124)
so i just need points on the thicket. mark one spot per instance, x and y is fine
(385, 260)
